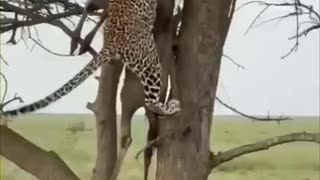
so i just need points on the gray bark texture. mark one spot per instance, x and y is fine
(104, 109)
(184, 153)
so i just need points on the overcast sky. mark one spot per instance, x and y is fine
(266, 85)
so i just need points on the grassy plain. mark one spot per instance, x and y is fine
(294, 161)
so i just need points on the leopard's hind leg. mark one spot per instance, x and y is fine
(151, 82)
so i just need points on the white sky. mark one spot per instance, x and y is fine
(267, 84)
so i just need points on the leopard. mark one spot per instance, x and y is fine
(127, 37)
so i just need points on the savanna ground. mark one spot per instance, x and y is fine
(293, 161)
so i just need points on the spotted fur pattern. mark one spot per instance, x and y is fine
(127, 37)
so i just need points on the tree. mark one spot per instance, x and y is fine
(190, 44)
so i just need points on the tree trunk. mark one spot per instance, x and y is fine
(104, 109)
(184, 155)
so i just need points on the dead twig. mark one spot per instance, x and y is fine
(255, 19)
(299, 10)
(306, 31)
(5, 87)
(48, 50)
(296, 45)
(15, 98)
(267, 118)
(148, 145)
(239, 66)
(3, 102)
(2, 59)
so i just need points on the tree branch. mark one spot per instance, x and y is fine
(228, 155)
(34, 18)
(67, 31)
(149, 144)
(4, 61)
(5, 88)
(46, 49)
(4, 103)
(306, 31)
(233, 61)
(299, 9)
(267, 118)
(30, 17)
(45, 165)
(256, 18)
(15, 98)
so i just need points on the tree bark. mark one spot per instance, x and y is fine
(132, 98)
(45, 165)
(228, 155)
(184, 155)
(104, 109)
(163, 34)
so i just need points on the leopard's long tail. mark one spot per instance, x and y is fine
(90, 68)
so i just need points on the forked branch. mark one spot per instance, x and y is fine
(15, 98)
(32, 13)
(3, 102)
(228, 155)
(299, 11)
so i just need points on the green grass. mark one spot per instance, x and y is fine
(296, 161)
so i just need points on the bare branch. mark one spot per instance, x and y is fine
(306, 31)
(34, 18)
(233, 61)
(294, 48)
(46, 12)
(296, 45)
(282, 17)
(285, 4)
(228, 155)
(66, 30)
(299, 9)
(255, 19)
(32, 158)
(148, 145)
(267, 118)
(4, 103)
(15, 98)
(2, 59)
(5, 88)
(46, 49)
(36, 13)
